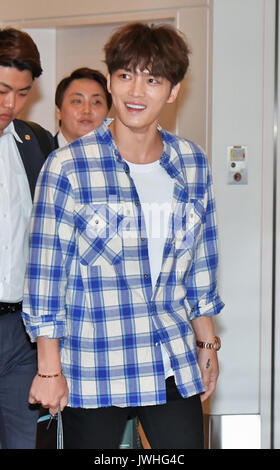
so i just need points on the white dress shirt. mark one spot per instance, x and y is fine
(15, 211)
(61, 140)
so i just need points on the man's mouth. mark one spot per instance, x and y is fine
(134, 106)
(85, 121)
(6, 117)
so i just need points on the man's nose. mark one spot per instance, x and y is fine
(10, 100)
(137, 86)
(87, 107)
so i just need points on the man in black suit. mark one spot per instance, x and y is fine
(22, 155)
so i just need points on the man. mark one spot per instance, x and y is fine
(82, 103)
(121, 283)
(21, 159)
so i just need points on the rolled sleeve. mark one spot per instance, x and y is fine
(202, 297)
(207, 307)
(44, 325)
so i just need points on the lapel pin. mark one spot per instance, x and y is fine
(27, 137)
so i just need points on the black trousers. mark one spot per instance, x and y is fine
(18, 365)
(178, 424)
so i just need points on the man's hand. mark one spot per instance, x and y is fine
(207, 358)
(50, 392)
(53, 391)
(208, 364)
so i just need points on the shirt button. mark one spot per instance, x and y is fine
(156, 344)
(143, 239)
(146, 276)
(136, 204)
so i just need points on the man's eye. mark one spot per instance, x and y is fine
(153, 80)
(124, 75)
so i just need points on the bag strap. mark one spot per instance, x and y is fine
(59, 438)
(59, 428)
(42, 137)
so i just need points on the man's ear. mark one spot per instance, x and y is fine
(174, 93)
(109, 83)
(57, 113)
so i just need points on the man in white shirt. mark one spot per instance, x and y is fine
(21, 157)
(82, 103)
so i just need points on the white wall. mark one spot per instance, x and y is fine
(238, 60)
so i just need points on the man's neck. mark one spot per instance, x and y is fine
(137, 146)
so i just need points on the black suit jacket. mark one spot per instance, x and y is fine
(30, 151)
(56, 145)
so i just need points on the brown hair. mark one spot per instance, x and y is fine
(17, 49)
(78, 74)
(159, 48)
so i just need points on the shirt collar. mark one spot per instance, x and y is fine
(62, 142)
(10, 129)
(170, 160)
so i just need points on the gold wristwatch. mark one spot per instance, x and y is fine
(216, 345)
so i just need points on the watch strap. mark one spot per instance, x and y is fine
(205, 345)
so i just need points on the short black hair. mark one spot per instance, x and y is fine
(78, 74)
(17, 49)
(160, 48)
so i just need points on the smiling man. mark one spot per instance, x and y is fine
(82, 103)
(121, 283)
(21, 159)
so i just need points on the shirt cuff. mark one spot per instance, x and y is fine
(44, 325)
(207, 307)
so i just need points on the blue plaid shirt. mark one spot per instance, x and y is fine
(88, 277)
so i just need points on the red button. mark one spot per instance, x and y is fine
(237, 176)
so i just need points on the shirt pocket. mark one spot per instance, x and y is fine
(98, 235)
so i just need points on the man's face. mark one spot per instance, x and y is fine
(139, 97)
(15, 86)
(84, 108)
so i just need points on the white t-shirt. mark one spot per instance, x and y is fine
(155, 190)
